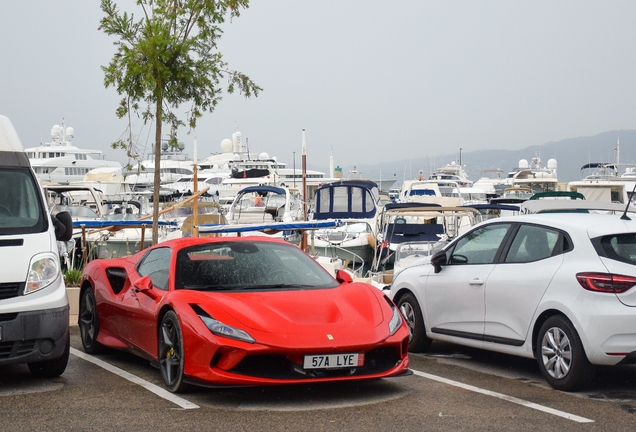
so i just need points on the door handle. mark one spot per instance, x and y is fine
(476, 281)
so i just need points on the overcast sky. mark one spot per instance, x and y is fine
(374, 80)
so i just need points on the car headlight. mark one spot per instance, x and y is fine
(44, 269)
(221, 329)
(396, 321)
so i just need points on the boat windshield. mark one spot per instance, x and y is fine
(248, 265)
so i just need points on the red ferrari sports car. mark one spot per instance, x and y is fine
(229, 311)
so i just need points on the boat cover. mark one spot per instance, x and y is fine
(278, 226)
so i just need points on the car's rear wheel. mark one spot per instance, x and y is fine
(412, 313)
(54, 367)
(561, 357)
(171, 354)
(89, 322)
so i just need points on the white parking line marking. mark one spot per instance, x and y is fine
(135, 379)
(505, 397)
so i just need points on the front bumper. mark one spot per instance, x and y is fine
(27, 337)
(220, 362)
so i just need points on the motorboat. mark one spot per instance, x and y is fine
(453, 172)
(259, 205)
(356, 203)
(605, 182)
(430, 224)
(491, 182)
(442, 192)
(174, 164)
(534, 176)
(411, 231)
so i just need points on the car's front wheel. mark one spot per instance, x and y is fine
(561, 357)
(171, 353)
(89, 322)
(412, 313)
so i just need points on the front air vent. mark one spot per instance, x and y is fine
(11, 289)
(12, 242)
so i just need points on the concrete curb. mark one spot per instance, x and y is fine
(73, 300)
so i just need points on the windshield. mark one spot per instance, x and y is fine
(247, 265)
(21, 207)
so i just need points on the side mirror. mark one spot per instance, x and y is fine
(438, 260)
(343, 277)
(144, 284)
(63, 223)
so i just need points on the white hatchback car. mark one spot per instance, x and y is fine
(558, 287)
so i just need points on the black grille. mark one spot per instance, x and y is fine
(12, 289)
(16, 348)
(280, 367)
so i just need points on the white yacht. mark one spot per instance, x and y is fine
(59, 161)
(606, 182)
(453, 172)
(534, 175)
(245, 169)
(174, 165)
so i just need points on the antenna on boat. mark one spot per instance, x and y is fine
(629, 201)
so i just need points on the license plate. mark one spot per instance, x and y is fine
(333, 361)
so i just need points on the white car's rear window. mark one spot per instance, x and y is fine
(620, 247)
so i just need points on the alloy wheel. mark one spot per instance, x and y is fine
(409, 316)
(556, 353)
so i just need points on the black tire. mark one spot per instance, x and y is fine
(88, 322)
(54, 367)
(561, 357)
(171, 353)
(412, 314)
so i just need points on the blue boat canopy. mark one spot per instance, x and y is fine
(261, 189)
(350, 199)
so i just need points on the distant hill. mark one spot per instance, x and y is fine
(571, 154)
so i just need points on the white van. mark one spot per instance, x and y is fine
(34, 308)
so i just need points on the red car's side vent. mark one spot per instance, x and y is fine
(116, 278)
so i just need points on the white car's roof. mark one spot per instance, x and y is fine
(593, 223)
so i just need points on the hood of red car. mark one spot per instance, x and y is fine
(295, 311)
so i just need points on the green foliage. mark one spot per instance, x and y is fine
(72, 276)
(167, 58)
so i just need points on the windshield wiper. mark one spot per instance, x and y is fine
(211, 287)
(279, 285)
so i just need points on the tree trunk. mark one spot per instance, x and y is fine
(157, 179)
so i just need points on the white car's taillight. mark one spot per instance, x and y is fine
(605, 282)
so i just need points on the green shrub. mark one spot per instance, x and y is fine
(72, 276)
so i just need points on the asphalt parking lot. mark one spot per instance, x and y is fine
(452, 388)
